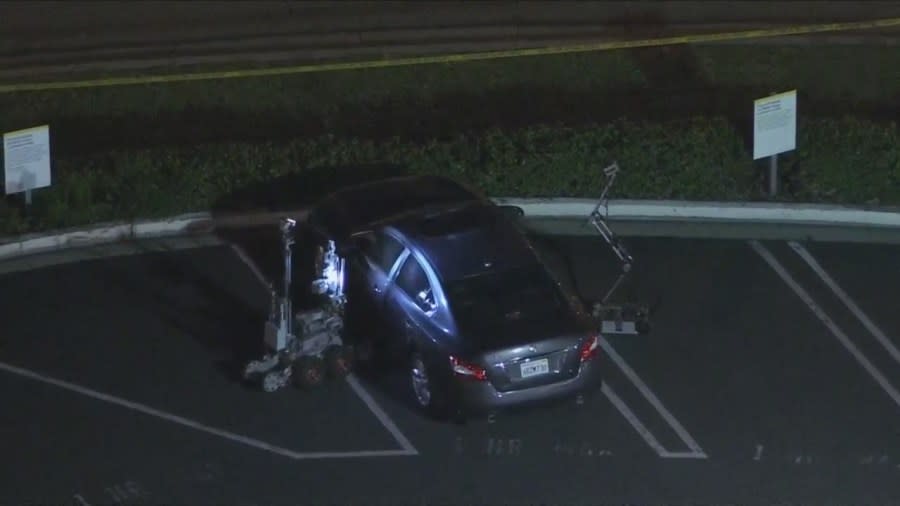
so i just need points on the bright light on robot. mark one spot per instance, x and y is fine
(332, 276)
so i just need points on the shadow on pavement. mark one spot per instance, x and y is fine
(197, 300)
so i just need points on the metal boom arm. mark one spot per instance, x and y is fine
(598, 221)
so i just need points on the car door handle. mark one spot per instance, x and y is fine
(376, 289)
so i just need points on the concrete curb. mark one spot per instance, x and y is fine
(749, 212)
(538, 208)
(104, 233)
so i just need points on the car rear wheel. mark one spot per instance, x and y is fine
(421, 382)
(429, 392)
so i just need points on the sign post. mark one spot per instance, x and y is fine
(774, 130)
(26, 159)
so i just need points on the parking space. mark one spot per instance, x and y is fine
(163, 336)
(739, 369)
(122, 372)
(865, 335)
(867, 274)
(743, 360)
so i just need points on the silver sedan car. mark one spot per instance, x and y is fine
(462, 300)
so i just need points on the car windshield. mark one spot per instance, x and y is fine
(489, 302)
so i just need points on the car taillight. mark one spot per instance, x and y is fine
(589, 348)
(467, 370)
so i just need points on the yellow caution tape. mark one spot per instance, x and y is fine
(454, 58)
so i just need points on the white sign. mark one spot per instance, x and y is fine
(26, 157)
(774, 124)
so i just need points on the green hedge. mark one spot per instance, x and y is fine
(837, 160)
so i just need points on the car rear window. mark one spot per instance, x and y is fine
(491, 301)
(355, 208)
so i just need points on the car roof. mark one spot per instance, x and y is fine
(363, 205)
(466, 240)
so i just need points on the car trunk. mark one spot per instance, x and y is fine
(519, 326)
(528, 352)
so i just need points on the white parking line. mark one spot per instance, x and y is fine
(381, 415)
(683, 455)
(257, 272)
(632, 419)
(689, 441)
(180, 420)
(835, 330)
(851, 305)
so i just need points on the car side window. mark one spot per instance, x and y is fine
(383, 250)
(414, 282)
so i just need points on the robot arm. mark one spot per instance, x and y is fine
(627, 318)
(598, 221)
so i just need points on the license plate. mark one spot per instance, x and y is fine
(535, 368)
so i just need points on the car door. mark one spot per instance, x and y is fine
(379, 255)
(411, 305)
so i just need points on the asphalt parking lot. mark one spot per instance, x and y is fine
(770, 375)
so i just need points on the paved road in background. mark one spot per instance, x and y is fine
(82, 23)
(55, 38)
(779, 391)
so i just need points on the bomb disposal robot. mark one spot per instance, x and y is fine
(307, 345)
